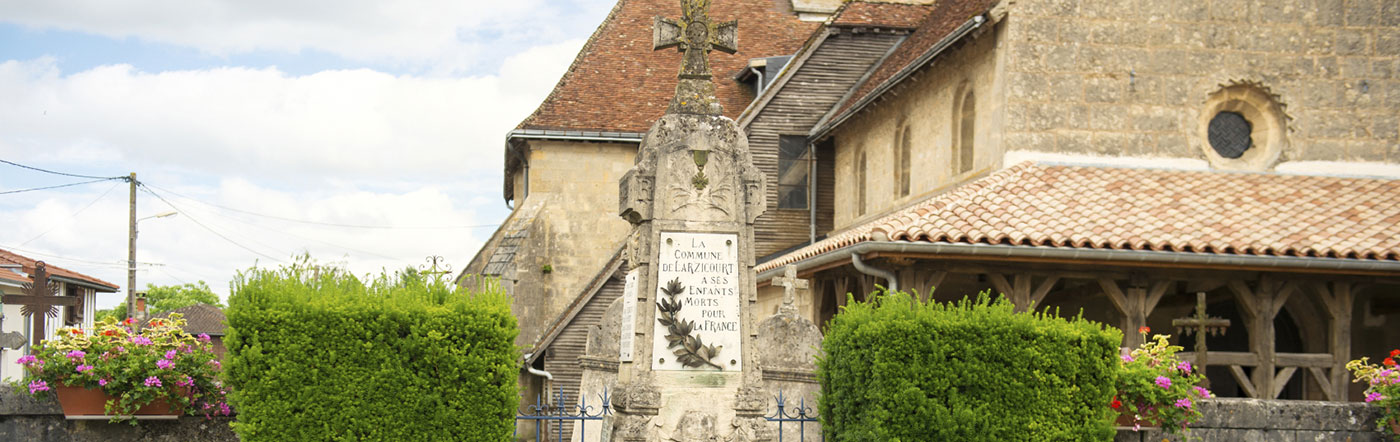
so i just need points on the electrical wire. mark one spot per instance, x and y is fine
(320, 223)
(54, 187)
(147, 189)
(286, 232)
(99, 198)
(74, 175)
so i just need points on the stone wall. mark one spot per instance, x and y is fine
(1248, 420)
(1135, 77)
(576, 230)
(925, 103)
(23, 418)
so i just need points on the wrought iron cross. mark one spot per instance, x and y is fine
(41, 301)
(1201, 324)
(696, 36)
(790, 284)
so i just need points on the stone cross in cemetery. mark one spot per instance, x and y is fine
(41, 301)
(692, 198)
(1201, 324)
(791, 284)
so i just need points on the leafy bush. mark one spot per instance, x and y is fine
(896, 369)
(317, 355)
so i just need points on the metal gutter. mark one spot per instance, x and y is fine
(963, 30)
(1126, 257)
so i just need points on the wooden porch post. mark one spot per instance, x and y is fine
(1259, 309)
(1339, 301)
(1019, 289)
(1135, 305)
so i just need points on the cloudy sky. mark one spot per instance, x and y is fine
(363, 132)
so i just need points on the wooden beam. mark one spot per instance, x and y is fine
(1154, 295)
(1043, 289)
(1241, 358)
(1115, 295)
(999, 282)
(1281, 380)
(1326, 385)
(1320, 360)
(1244, 381)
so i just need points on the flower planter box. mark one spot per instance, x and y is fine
(80, 403)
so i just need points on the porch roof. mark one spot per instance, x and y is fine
(1054, 206)
(27, 264)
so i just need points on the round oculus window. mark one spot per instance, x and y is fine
(1229, 134)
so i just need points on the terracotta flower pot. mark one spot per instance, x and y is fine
(85, 403)
(1127, 419)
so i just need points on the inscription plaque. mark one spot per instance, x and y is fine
(698, 303)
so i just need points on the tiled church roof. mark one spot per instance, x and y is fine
(27, 264)
(618, 83)
(878, 14)
(942, 21)
(1223, 213)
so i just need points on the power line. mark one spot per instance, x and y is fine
(200, 224)
(286, 232)
(54, 187)
(99, 198)
(294, 220)
(74, 175)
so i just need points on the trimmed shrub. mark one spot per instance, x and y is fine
(317, 355)
(896, 369)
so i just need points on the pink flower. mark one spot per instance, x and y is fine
(26, 360)
(1202, 392)
(1370, 397)
(171, 354)
(164, 364)
(188, 381)
(224, 409)
(38, 386)
(203, 337)
(76, 354)
(84, 368)
(102, 382)
(153, 381)
(1127, 358)
(1184, 366)
(140, 340)
(1164, 382)
(1183, 403)
(216, 364)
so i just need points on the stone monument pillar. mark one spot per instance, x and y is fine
(692, 197)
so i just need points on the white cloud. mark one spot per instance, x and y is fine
(424, 32)
(348, 146)
(360, 125)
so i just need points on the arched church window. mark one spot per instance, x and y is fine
(860, 182)
(965, 125)
(903, 158)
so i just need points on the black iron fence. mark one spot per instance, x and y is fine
(557, 416)
(800, 415)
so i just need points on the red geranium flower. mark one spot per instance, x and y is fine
(1395, 353)
(1389, 362)
(129, 321)
(1144, 329)
(1116, 403)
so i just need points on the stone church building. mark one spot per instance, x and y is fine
(1112, 157)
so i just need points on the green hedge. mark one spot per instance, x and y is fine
(900, 370)
(314, 354)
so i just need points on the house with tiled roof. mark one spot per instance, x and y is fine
(16, 276)
(1113, 158)
(203, 319)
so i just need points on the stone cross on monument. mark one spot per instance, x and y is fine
(791, 284)
(40, 302)
(1201, 324)
(692, 198)
(695, 36)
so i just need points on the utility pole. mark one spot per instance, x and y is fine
(131, 252)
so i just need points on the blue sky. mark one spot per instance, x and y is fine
(365, 133)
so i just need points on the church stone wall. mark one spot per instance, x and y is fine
(1134, 77)
(925, 102)
(575, 232)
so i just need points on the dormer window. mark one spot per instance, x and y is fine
(760, 72)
